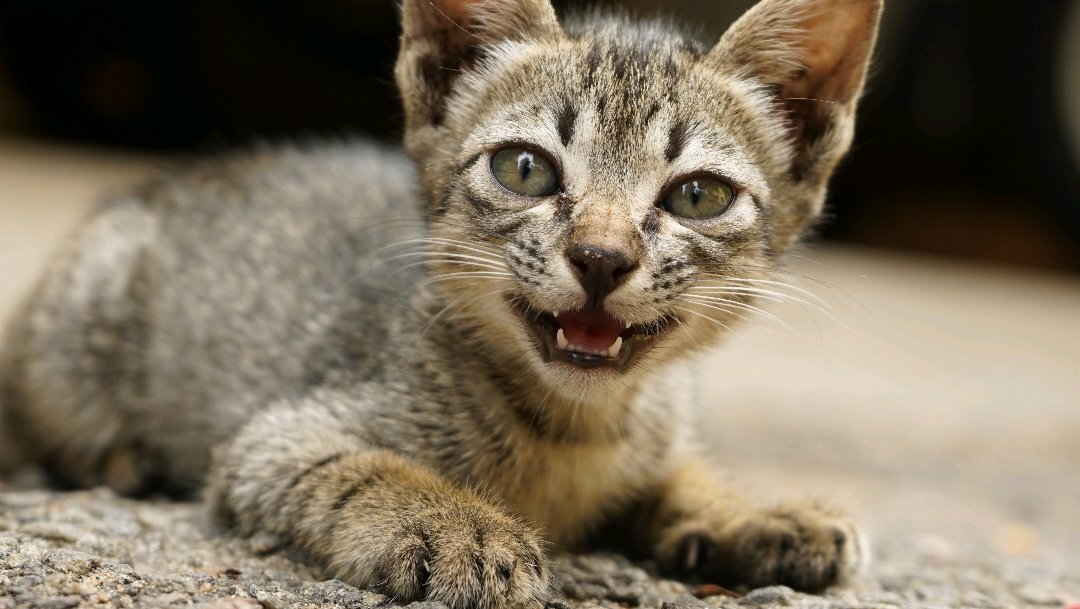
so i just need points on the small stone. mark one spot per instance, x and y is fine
(688, 602)
(1038, 595)
(71, 561)
(84, 588)
(53, 531)
(23, 499)
(269, 601)
(772, 595)
(59, 602)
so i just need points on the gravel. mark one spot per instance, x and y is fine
(94, 549)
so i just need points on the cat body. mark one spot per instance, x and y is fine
(421, 376)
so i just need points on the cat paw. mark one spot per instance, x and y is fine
(806, 547)
(465, 561)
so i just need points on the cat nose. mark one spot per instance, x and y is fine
(600, 270)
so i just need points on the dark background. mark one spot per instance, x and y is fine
(963, 147)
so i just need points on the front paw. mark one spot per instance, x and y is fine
(806, 547)
(463, 557)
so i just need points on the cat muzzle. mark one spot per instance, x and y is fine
(590, 337)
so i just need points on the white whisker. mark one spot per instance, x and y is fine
(717, 303)
(450, 257)
(702, 315)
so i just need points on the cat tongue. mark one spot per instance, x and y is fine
(590, 328)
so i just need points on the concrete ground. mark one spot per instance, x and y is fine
(935, 400)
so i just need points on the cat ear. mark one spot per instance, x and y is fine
(442, 38)
(813, 54)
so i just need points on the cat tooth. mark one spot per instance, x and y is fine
(560, 340)
(613, 350)
(555, 314)
(628, 324)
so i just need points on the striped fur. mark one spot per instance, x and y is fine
(330, 340)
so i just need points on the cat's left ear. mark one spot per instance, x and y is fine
(813, 54)
(442, 38)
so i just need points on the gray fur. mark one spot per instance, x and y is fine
(342, 354)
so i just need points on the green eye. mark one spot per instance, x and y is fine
(699, 198)
(524, 172)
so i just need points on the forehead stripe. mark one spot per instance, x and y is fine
(680, 132)
(565, 123)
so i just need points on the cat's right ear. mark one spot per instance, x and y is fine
(813, 54)
(441, 39)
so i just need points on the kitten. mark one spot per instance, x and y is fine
(601, 198)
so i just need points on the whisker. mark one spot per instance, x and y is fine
(464, 245)
(450, 257)
(716, 304)
(764, 294)
(464, 263)
(467, 274)
(702, 315)
(435, 318)
(803, 291)
(761, 294)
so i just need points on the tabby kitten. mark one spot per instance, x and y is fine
(601, 200)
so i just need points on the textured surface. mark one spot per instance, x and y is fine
(941, 409)
(91, 548)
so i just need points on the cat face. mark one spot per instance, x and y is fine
(605, 195)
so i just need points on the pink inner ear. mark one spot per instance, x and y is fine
(832, 55)
(457, 10)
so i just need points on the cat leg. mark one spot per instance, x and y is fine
(72, 360)
(372, 517)
(694, 525)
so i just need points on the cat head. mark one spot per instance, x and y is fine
(604, 193)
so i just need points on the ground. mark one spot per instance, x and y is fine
(936, 401)
(93, 549)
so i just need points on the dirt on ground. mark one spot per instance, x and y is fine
(986, 534)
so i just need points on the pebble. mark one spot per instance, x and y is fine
(71, 561)
(55, 531)
(684, 603)
(1040, 595)
(58, 602)
(773, 595)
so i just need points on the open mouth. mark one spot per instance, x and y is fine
(590, 337)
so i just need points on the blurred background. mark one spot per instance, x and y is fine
(969, 143)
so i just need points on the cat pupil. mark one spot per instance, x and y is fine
(695, 192)
(525, 164)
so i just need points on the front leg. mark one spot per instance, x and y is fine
(374, 518)
(696, 526)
